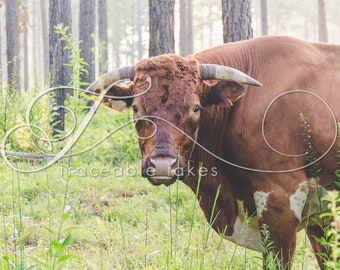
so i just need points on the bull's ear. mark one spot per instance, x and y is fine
(118, 97)
(222, 93)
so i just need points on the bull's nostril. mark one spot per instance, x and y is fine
(163, 166)
(163, 161)
(148, 171)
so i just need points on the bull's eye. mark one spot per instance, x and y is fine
(135, 109)
(196, 108)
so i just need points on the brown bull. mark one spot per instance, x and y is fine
(259, 150)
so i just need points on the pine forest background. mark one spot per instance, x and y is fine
(128, 29)
(78, 214)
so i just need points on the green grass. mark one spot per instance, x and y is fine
(111, 223)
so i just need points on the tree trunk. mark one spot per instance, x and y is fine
(236, 17)
(59, 12)
(306, 15)
(264, 18)
(183, 27)
(44, 28)
(139, 30)
(186, 29)
(131, 42)
(102, 34)
(12, 47)
(190, 39)
(36, 59)
(1, 66)
(25, 23)
(26, 77)
(323, 35)
(161, 24)
(211, 27)
(86, 28)
(116, 41)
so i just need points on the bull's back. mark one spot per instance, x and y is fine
(294, 113)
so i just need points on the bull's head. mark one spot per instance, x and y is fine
(167, 95)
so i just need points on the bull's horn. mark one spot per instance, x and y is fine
(218, 72)
(110, 77)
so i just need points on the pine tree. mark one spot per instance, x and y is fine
(323, 35)
(186, 27)
(236, 16)
(86, 28)
(102, 34)
(12, 47)
(161, 23)
(59, 13)
(44, 25)
(264, 19)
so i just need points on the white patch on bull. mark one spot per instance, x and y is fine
(260, 199)
(246, 230)
(298, 199)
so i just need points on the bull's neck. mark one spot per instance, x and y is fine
(239, 55)
(214, 181)
(213, 136)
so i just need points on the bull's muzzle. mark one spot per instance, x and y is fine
(162, 170)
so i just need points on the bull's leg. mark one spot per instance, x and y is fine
(283, 239)
(316, 231)
(274, 210)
